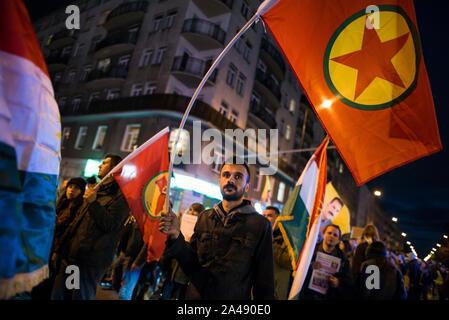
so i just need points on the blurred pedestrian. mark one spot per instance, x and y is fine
(414, 274)
(282, 261)
(389, 285)
(369, 235)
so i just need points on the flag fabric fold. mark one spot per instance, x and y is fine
(362, 69)
(299, 220)
(143, 177)
(29, 154)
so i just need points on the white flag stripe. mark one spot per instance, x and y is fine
(303, 267)
(308, 188)
(34, 123)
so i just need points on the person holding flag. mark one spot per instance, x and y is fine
(230, 254)
(91, 239)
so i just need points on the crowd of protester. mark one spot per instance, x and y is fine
(95, 231)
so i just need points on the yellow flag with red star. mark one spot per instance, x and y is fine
(360, 64)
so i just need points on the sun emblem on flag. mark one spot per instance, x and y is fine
(154, 194)
(373, 69)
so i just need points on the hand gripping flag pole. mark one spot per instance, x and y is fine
(263, 8)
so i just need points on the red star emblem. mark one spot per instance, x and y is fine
(374, 60)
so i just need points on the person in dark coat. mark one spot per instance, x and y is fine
(282, 262)
(91, 239)
(369, 235)
(68, 203)
(414, 274)
(230, 254)
(339, 284)
(391, 282)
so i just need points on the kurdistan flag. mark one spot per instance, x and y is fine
(299, 220)
(29, 154)
(365, 77)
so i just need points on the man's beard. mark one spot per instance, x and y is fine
(232, 197)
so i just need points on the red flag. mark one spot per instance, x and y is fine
(364, 75)
(143, 178)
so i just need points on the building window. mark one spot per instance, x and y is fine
(170, 20)
(124, 60)
(145, 58)
(288, 132)
(62, 101)
(157, 23)
(160, 55)
(99, 138)
(76, 103)
(65, 137)
(183, 143)
(136, 90)
(241, 84)
(233, 116)
(104, 64)
(224, 108)
(85, 73)
(218, 160)
(247, 51)
(113, 94)
(238, 44)
(292, 106)
(244, 10)
(150, 88)
(78, 50)
(94, 96)
(71, 76)
(130, 137)
(261, 67)
(57, 77)
(231, 75)
(66, 51)
(81, 138)
(255, 100)
(281, 191)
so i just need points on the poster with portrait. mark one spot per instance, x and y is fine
(335, 211)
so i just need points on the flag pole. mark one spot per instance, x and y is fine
(264, 7)
(132, 155)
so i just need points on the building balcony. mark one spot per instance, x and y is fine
(155, 102)
(203, 35)
(273, 58)
(263, 115)
(63, 38)
(268, 87)
(110, 78)
(212, 8)
(115, 43)
(190, 71)
(125, 15)
(56, 62)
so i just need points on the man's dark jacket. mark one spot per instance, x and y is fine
(92, 237)
(230, 255)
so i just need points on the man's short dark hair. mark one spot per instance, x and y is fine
(238, 161)
(274, 209)
(334, 226)
(339, 200)
(115, 159)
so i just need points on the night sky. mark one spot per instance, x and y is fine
(417, 193)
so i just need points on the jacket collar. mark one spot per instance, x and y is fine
(244, 208)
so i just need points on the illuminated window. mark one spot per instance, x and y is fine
(183, 143)
(81, 138)
(99, 137)
(281, 191)
(288, 132)
(130, 137)
(65, 136)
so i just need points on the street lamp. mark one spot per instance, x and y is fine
(403, 234)
(409, 243)
(377, 193)
(438, 245)
(445, 236)
(394, 219)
